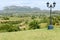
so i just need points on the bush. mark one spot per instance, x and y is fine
(34, 25)
(33, 17)
(44, 20)
(5, 18)
(11, 22)
(14, 22)
(9, 28)
(55, 20)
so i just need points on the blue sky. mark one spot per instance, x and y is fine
(33, 3)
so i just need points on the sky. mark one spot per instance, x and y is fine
(32, 3)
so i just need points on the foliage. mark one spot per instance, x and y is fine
(11, 22)
(5, 18)
(14, 22)
(33, 17)
(34, 25)
(55, 20)
(44, 20)
(9, 28)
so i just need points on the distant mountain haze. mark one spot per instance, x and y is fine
(20, 8)
(25, 10)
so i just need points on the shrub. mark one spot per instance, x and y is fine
(5, 18)
(9, 28)
(33, 17)
(34, 25)
(45, 20)
(12, 22)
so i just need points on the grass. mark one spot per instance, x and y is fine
(38, 34)
(14, 18)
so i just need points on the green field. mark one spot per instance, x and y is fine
(38, 34)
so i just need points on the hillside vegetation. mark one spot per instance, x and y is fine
(20, 18)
